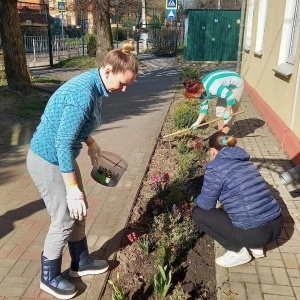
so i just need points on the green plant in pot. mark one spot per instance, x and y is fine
(104, 175)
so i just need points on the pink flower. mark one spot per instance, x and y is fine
(197, 144)
(158, 202)
(132, 237)
(185, 205)
(155, 178)
(166, 178)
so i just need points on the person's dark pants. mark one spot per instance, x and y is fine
(217, 224)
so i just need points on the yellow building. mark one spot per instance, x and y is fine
(271, 68)
(75, 13)
(72, 12)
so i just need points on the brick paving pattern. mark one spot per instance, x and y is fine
(131, 124)
(277, 276)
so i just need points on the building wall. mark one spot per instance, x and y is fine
(276, 95)
(70, 15)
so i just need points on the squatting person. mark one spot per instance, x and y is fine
(251, 218)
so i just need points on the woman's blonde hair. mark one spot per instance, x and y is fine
(122, 59)
(220, 140)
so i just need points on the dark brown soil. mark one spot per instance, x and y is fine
(196, 270)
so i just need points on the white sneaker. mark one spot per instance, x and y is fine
(258, 252)
(232, 259)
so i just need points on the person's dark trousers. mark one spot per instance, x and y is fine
(217, 224)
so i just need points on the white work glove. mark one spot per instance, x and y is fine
(94, 152)
(226, 115)
(75, 202)
(194, 126)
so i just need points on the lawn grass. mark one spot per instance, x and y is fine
(33, 79)
(24, 107)
(85, 62)
(3, 81)
(31, 106)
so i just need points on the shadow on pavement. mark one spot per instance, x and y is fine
(10, 217)
(244, 127)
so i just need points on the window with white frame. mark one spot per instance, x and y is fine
(261, 23)
(294, 34)
(249, 25)
(289, 38)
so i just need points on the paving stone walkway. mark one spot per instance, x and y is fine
(277, 276)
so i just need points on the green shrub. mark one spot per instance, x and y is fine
(179, 193)
(164, 255)
(177, 233)
(185, 115)
(183, 234)
(187, 166)
(182, 147)
(119, 33)
(91, 45)
(190, 73)
(180, 50)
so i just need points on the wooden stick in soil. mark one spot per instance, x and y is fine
(203, 124)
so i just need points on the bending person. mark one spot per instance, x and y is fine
(71, 115)
(251, 218)
(228, 86)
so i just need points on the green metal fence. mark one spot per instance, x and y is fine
(212, 35)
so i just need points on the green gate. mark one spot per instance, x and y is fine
(212, 35)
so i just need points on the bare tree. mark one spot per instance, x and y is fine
(101, 16)
(102, 12)
(156, 3)
(13, 49)
(211, 4)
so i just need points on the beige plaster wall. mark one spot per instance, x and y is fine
(277, 91)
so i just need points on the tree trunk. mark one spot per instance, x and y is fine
(101, 14)
(13, 49)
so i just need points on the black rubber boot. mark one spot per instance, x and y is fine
(82, 263)
(53, 282)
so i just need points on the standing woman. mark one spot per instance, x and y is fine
(251, 218)
(228, 86)
(71, 115)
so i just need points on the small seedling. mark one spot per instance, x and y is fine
(104, 175)
(145, 243)
(162, 282)
(118, 291)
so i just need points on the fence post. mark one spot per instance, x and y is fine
(49, 36)
(33, 46)
(57, 47)
(82, 33)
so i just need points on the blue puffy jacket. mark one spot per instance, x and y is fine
(233, 180)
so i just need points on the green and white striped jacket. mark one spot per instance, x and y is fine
(220, 84)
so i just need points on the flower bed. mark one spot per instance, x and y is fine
(163, 255)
